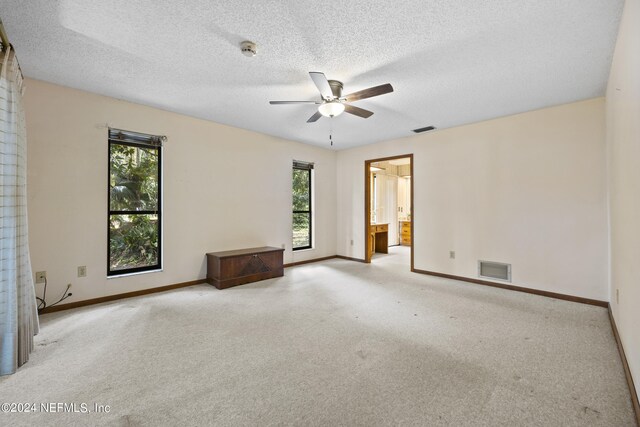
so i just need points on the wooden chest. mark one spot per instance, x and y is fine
(232, 268)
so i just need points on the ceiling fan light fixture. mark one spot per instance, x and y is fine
(331, 109)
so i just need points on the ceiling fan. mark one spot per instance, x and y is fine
(333, 103)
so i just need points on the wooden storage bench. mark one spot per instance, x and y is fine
(232, 268)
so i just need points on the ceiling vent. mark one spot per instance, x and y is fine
(426, 129)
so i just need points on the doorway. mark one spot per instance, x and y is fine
(388, 206)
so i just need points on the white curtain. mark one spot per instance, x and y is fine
(18, 310)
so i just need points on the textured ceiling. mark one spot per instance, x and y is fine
(451, 62)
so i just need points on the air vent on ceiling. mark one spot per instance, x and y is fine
(494, 270)
(428, 128)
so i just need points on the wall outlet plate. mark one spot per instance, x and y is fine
(82, 271)
(41, 276)
(452, 254)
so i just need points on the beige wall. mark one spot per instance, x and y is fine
(623, 141)
(224, 188)
(529, 190)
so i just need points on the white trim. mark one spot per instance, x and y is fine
(117, 276)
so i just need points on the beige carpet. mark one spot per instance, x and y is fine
(332, 343)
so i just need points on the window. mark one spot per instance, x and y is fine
(134, 202)
(302, 219)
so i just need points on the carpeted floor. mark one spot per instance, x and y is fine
(331, 343)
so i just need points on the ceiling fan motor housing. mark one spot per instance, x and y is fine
(336, 88)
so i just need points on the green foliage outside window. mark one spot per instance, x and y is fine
(134, 227)
(301, 208)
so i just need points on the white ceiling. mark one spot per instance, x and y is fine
(451, 62)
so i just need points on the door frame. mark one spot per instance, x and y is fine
(367, 202)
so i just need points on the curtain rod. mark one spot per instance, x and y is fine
(5, 48)
(3, 36)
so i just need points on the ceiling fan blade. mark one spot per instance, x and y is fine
(294, 102)
(368, 93)
(322, 83)
(315, 117)
(357, 111)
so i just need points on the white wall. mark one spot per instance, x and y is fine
(623, 141)
(224, 188)
(529, 190)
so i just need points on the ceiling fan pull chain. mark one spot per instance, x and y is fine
(331, 132)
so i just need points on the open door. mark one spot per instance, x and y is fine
(388, 204)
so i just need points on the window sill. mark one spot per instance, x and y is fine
(295, 251)
(137, 273)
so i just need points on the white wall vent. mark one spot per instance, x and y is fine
(494, 270)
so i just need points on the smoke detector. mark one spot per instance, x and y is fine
(248, 48)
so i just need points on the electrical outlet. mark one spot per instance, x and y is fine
(82, 271)
(351, 242)
(41, 276)
(452, 254)
(617, 296)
